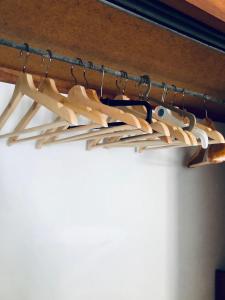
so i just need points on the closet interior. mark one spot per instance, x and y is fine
(143, 96)
(112, 142)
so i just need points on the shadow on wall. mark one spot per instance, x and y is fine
(200, 230)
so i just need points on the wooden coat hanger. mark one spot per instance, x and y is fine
(158, 127)
(112, 112)
(72, 101)
(202, 157)
(145, 126)
(36, 106)
(106, 132)
(175, 132)
(48, 89)
(25, 86)
(208, 127)
(215, 152)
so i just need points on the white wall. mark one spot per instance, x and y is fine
(107, 224)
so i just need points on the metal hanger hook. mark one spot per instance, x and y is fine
(102, 81)
(91, 66)
(122, 84)
(175, 92)
(145, 80)
(205, 106)
(165, 90)
(49, 55)
(25, 57)
(182, 102)
(81, 63)
(73, 75)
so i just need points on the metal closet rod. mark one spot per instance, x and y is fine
(100, 68)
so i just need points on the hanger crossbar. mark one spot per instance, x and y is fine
(107, 70)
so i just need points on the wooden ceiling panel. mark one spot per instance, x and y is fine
(104, 35)
(209, 12)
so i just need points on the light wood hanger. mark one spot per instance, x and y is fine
(47, 134)
(76, 99)
(41, 141)
(132, 140)
(215, 153)
(98, 133)
(49, 89)
(25, 86)
(145, 126)
(32, 112)
(177, 122)
(35, 128)
(75, 104)
(156, 126)
(209, 128)
(88, 98)
(24, 122)
(213, 134)
(112, 112)
(166, 129)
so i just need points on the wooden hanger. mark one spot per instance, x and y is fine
(31, 113)
(207, 126)
(145, 126)
(174, 119)
(35, 128)
(90, 99)
(24, 122)
(215, 152)
(106, 132)
(49, 89)
(48, 134)
(168, 130)
(156, 125)
(168, 133)
(42, 140)
(25, 86)
(112, 112)
(131, 140)
(213, 134)
(95, 116)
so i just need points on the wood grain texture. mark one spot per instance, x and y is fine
(104, 35)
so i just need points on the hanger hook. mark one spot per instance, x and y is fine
(175, 92)
(145, 80)
(81, 63)
(26, 56)
(182, 102)
(102, 81)
(165, 90)
(73, 75)
(49, 54)
(205, 106)
(119, 83)
(91, 66)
